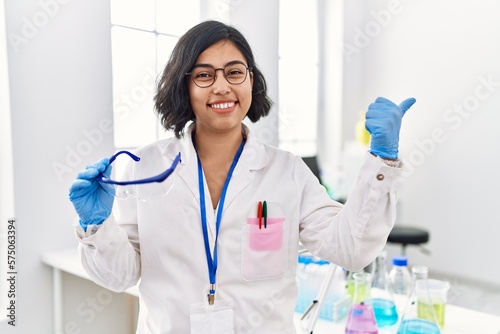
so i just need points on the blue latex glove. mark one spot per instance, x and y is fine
(383, 121)
(92, 200)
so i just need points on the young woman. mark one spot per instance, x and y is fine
(214, 246)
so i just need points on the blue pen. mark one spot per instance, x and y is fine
(264, 213)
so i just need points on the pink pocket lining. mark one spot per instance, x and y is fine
(266, 239)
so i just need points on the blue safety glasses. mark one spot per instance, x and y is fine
(158, 178)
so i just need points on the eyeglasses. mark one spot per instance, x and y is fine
(158, 178)
(155, 187)
(205, 75)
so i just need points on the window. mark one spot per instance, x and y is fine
(143, 35)
(298, 76)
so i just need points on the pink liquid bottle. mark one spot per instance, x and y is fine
(361, 317)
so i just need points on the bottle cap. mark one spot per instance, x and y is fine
(400, 261)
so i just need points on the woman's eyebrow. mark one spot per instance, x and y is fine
(232, 62)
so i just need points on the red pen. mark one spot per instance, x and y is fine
(259, 214)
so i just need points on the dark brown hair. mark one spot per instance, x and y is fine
(172, 97)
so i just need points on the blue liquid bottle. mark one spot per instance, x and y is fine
(419, 316)
(382, 298)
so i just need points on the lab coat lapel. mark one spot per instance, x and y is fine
(189, 171)
(189, 174)
(252, 158)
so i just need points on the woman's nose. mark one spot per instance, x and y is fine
(221, 85)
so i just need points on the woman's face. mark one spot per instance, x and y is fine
(222, 106)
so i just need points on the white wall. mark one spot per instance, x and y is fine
(444, 53)
(60, 83)
(6, 168)
(7, 187)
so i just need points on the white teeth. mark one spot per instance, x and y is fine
(222, 105)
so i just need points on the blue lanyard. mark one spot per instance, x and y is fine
(212, 263)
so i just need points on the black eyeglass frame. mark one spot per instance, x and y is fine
(247, 69)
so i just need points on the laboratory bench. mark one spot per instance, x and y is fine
(458, 320)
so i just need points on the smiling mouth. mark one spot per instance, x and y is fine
(225, 105)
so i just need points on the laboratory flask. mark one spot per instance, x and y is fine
(349, 283)
(419, 316)
(361, 318)
(382, 298)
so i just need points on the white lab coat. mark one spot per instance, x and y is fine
(161, 243)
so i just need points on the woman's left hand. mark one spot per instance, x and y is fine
(383, 121)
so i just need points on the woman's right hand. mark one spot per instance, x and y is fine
(93, 201)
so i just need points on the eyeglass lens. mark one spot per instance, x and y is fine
(158, 178)
(152, 188)
(146, 192)
(204, 76)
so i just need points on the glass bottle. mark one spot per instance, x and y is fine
(361, 318)
(400, 281)
(382, 299)
(399, 276)
(419, 316)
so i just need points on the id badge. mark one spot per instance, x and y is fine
(212, 319)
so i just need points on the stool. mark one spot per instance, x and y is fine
(407, 235)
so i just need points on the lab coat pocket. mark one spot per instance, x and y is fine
(263, 248)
